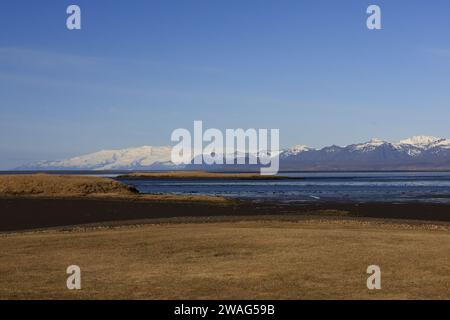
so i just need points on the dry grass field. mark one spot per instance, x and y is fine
(60, 185)
(308, 259)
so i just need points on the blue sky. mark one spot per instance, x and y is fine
(140, 69)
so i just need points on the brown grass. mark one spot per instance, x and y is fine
(55, 185)
(230, 260)
(197, 175)
(61, 185)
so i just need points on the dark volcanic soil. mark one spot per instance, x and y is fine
(31, 213)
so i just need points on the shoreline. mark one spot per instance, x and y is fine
(28, 213)
(199, 175)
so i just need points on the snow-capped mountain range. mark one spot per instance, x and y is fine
(141, 158)
(416, 153)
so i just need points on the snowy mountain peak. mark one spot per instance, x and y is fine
(374, 142)
(297, 149)
(121, 159)
(420, 140)
(367, 146)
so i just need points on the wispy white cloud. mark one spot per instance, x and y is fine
(39, 58)
(64, 83)
(30, 57)
(439, 52)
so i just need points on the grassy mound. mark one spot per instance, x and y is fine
(61, 185)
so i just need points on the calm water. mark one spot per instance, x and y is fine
(318, 187)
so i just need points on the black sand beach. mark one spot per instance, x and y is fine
(22, 213)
